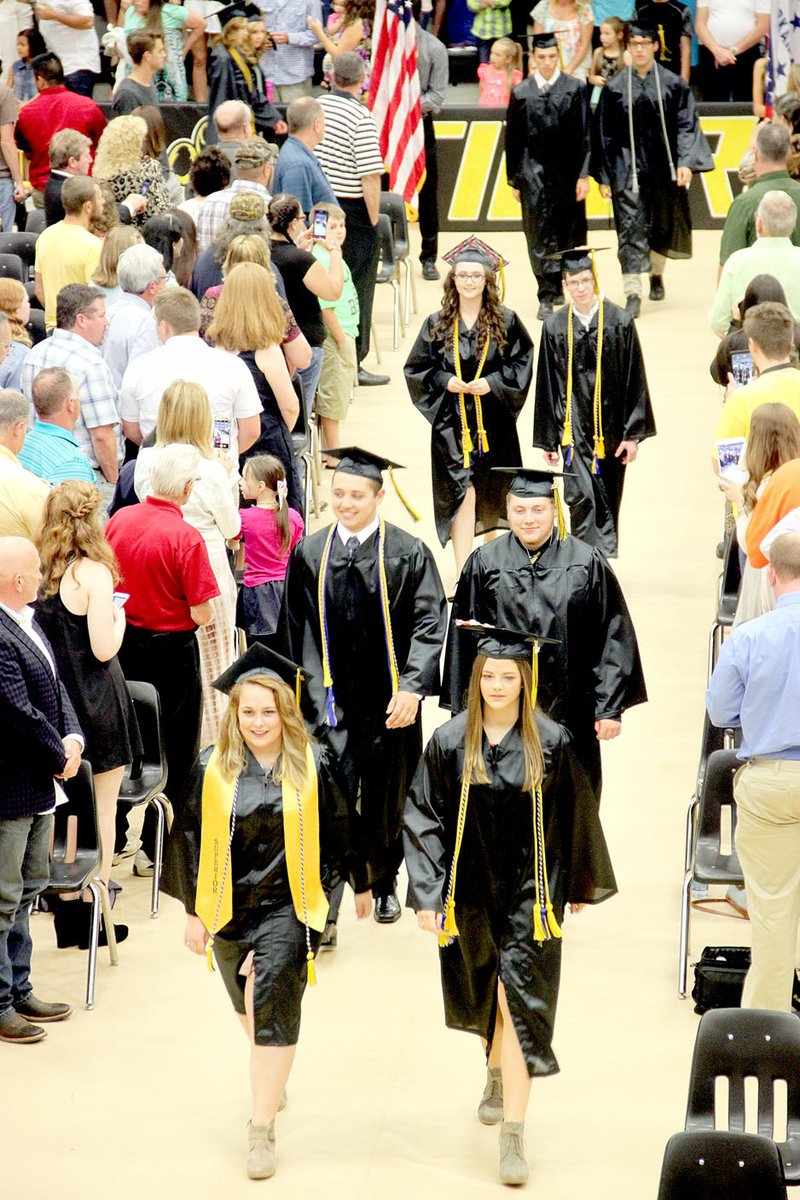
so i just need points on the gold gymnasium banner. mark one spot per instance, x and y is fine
(473, 193)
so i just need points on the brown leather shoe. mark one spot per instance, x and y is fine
(33, 1009)
(14, 1028)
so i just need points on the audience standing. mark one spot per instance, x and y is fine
(771, 150)
(51, 449)
(16, 307)
(67, 252)
(433, 66)
(115, 243)
(12, 191)
(171, 22)
(289, 65)
(210, 172)
(22, 494)
(233, 124)
(121, 162)
(255, 161)
(772, 253)
(131, 328)
(730, 37)
(148, 55)
(67, 27)
(297, 170)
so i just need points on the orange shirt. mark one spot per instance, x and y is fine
(780, 496)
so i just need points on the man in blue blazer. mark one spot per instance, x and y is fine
(40, 742)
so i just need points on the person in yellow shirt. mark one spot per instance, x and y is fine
(67, 252)
(22, 494)
(770, 337)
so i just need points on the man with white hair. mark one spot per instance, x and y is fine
(164, 566)
(22, 494)
(772, 253)
(131, 328)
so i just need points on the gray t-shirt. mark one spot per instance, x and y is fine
(130, 95)
(8, 116)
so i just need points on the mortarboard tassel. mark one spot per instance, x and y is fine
(298, 679)
(311, 969)
(561, 523)
(322, 610)
(534, 673)
(405, 503)
(209, 955)
(449, 930)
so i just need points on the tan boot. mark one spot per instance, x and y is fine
(490, 1109)
(261, 1152)
(513, 1165)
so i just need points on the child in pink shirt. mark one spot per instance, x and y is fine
(269, 531)
(502, 73)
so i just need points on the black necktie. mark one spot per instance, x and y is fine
(352, 547)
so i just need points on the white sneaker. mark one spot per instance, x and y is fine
(142, 865)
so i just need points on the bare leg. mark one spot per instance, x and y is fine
(269, 1069)
(106, 790)
(199, 74)
(496, 1048)
(462, 531)
(330, 433)
(516, 1080)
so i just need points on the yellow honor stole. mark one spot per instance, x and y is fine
(214, 901)
(466, 437)
(598, 441)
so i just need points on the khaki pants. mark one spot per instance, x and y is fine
(767, 795)
(285, 93)
(632, 284)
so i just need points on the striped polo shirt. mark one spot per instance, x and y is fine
(350, 146)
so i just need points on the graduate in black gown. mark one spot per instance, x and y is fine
(596, 418)
(647, 176)
(252, 857)
(364, 612)
(468, 373)
(504, 774)
(232, 76)
(548, 145)
(542, 579)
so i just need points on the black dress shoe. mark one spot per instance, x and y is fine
(657, 287)
(429, 271)
(14, 1028)
(330, 937)
(633, 305)
(33, 1009)
(387, 909)
(545, 309)
(367, 379)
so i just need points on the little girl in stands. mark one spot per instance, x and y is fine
(269, 531)
(609, 57)
(502, 73)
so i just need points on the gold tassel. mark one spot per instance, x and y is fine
(449, 930)
(539, 934)
(501, 272)
(466, 437)
(600, 447)
(552, 923)
(209, 955)
(560, 518)
(483, 440)
(312, 970)
(534, 673)
(297, 682)
(405, 503)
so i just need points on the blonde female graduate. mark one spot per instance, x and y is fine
(251, 859)
(501, 830)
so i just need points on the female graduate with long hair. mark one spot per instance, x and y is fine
(468, 373)
(501, 830)
(251, 859)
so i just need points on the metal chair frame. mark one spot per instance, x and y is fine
(135, 789)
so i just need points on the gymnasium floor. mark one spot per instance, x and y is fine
(148, 1093)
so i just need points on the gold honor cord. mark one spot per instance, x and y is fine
(466, 437)
(567, 440)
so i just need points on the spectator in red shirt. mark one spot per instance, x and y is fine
(164, 566)
(53, 109)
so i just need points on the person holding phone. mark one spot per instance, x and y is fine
(340, 317)
(759, 290)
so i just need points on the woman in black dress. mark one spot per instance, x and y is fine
(85, 629)
(268, 818)
(501, 830)
(468, 373)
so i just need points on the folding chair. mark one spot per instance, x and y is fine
(144, 780)
(387, 273)
(35, 221)
(394, 206)
(730, 582)
(721, 1166)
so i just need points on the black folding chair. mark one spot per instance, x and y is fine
(23, 244)
(730, 582)
(144, 781)
(748, 1043)
(36, 326)
(721, 1166)
(35, 221)
(708, 862)
(393, 204)
(76, 860)
(12, 267)
(387, 273)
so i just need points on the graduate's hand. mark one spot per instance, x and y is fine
(606, 729)
(551, 457)
(478, 387)
(576, 908)
(627, 451)
(605, 191)
(516, 195)
(429, 921)
(684, 177)
(402, 710)
(195, 934)
(279, 128)
(582, 189)
(454, 384)
(363, 904)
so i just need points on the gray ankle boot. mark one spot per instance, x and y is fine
(261, 1152)
(490, 1109)
(513, 1165)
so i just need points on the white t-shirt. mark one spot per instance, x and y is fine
(231, 391)
(78, 49)
(731, 20)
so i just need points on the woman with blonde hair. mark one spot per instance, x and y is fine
(249, 248)
(501, 830)
(270, 797)
(249, 321)
(572, 22)
(185, 417)
(15, 304)
(232, 77)
(121, 162)
(116, 241)
(85, 629)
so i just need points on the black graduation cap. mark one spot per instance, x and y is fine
(250, 12)
(355, 461)
(529, 482)
(578, 258)
(259, 660)
(544, 41)
(496, 642)
(643, 29)
(472, 249)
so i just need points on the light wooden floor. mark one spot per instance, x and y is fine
(148, 1094)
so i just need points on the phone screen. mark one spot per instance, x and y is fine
(222, 435)
(120, 599)
(145, 188)
(742, 367)
(320, 229)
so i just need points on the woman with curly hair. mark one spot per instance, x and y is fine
(85, 629)
(468, 373)
(121, 162)
(349, 28)
(15, 304)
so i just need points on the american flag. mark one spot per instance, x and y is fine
(394, 97)
(784, 46)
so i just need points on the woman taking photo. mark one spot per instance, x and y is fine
(16, 305)
(185, 417)
(120, 162)
(85, 629)
(500, 832)
(305, 278)
(468, 373)
(266, 812)
(172, 22)
(249, 321)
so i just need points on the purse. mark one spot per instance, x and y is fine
(719, 978)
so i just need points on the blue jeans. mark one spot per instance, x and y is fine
(24, 872)
(309, 379)
(8, 207)
(81, 82)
